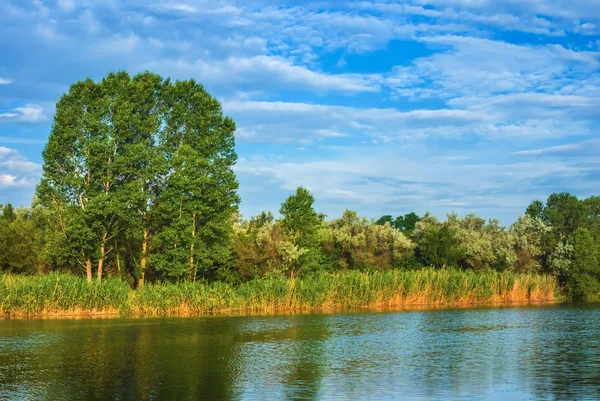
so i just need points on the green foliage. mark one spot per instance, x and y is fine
(484, 245)
(572, 242)
(576, 264)
(528, 235)
(141, 167)
(198, 195)
(406, 223)
(564, 213)
(301, 223)
(21, 245)
(8, 213)
(535, 209)
(359, 244)
(437, 243)
(383, 220)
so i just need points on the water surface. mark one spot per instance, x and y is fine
(520, 353)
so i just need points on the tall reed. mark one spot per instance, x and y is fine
(65, 294)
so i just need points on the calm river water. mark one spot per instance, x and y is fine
(520, 353)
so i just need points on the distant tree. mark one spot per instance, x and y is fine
(8, 213)
(575, 263)
(409, 222)
(535, 209)
(437, 243)
(398, 223)
(21, 242)
(564, 213)
(301, 222)
(387, 219)
(406, 223)
(264, 218)
(528, 235)
(359, 244)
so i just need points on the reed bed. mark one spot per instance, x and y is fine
(56, 294)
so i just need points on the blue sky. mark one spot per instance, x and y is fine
(382, 107)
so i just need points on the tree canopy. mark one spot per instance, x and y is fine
(141, 167)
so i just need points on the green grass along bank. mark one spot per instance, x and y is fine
(62, 294)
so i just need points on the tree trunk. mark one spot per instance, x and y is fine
(118, 258)
(193, 268)
(143, 258)
(101, 260)
(88, 270)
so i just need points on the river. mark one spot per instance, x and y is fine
(508, 353)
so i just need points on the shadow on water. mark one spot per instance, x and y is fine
(546, 352)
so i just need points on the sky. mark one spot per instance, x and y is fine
(471, 106)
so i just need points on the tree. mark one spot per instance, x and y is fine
(437, 244)
(409, 222)
(398, 223)
(71, 181)
(21, 242)
(140, 116)
(92, 158)
(585, 271)
(564, 213)
(8, 213)
(130, 157)
(358, 244)
(406, 223)
(528, 235)
(383, 220)
(198, 194)
(535, 209)
(576, 265)
(301, 222)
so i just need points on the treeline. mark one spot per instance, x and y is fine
(560, 237)
(138, 183)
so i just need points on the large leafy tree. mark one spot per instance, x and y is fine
(140, 115)
(74, 168)
(137, 161)
(198, 193)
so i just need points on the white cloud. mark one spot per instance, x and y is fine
(580, 148)
(479, 67)
(16, 170)
(5, 81)
(409, 177)
(515, 116)
(30, 113)
(330, 133)
(48, 32)
(265, 70)
(67, 5)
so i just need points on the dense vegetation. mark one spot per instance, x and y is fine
(138, 186)
(57, 293)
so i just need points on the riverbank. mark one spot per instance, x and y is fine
(59, 294)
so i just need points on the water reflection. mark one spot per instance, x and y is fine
(550, 352)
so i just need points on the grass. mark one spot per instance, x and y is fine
(60, 294)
